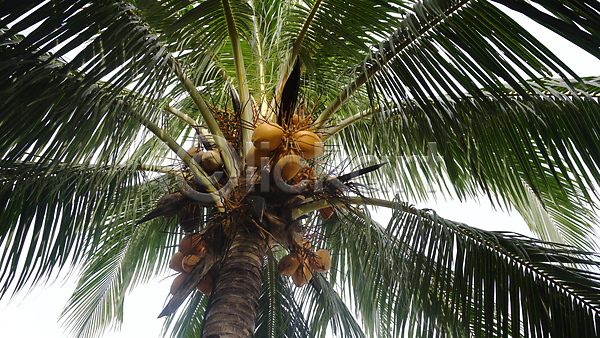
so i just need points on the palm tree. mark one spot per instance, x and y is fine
(102, 101)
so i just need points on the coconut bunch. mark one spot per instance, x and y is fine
(191, 249)
(301, 263)
(273, 143)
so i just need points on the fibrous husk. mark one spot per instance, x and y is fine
(309, 143)
(206, 285)
(211, 161)
(288, 264)
(176, 262)
(189, 262)
(321, 261)
(302, 275)
(177, 282)
(192, 244)
(267, 136)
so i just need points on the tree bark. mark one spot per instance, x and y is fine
(233, 306)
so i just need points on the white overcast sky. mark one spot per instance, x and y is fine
(36, 315)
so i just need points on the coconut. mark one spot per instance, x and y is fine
(296, 119)
(193, 151)
(289, 166)
(288, 264)
(256, 157)
(189, 262)
(211, 161)
(198, 157)
(176, 262)
(267, 136)
(192, 243)
(309, 143)
(302, 275)
(321, 261)
(177, 282)
(206, 285)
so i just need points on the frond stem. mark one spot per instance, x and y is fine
(240, 72)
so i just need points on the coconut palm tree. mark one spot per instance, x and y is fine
(270, 129)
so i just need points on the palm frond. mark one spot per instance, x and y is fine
(503, 149)
(427, 276)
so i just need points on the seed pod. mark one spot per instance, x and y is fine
(256, 157)
(211, 161)
(302, 275)
(206, 285)
(309, 143)
(177, 282)
(288, 264)
(189, 262)
(267, 136)
(192, 243)
(176, 262)
(321, 261)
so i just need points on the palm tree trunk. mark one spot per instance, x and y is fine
(234, 303)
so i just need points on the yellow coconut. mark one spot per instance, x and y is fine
(176, 262)
(267, 136)
(288, 264)
(211, 161)
(189, 262)
(206, 285)
(256, 157)
(192, 244)
(301, 276)
(321, 261)
(309, 143)
(177, 282)
(296, 119)
(289, 165)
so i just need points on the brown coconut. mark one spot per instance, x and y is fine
(192, 244)
(288, 264)
(309, 143)
(301, 276)
(176, 262)
(267, 136)
(189, 262)
(206, 285)
(177, 282)
(211, 161)
(321, 262)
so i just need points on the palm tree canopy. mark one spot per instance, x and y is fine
(100, 97)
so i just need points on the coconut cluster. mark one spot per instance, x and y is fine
(191, 250)
(273, 144)
(302, 263)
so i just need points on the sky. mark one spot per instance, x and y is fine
(36, 314)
